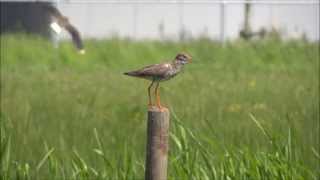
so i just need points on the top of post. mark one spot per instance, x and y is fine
(157, 109)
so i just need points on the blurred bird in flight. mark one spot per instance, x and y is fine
(59, 21)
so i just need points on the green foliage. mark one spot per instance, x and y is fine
(242, 110)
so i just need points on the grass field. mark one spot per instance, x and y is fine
(245, 110)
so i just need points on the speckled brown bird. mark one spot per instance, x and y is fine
(161, 72)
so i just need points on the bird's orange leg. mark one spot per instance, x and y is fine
(149, 94)
(157, 94)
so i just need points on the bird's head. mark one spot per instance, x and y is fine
(183, 58)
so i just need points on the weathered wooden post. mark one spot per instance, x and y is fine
(157, 144)
(158, 118)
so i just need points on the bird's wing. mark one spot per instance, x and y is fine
(53, 11)
(63, 21)
(157, 70)
(75, 35)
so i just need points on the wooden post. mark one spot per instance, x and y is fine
(157, 144)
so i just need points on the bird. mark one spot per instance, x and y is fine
(59, 21)
(157, 73)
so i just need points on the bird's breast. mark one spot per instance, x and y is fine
(170, 74)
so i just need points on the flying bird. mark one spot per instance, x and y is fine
(161, 72)
(59, 21)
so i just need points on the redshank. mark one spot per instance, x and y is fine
(161, 72)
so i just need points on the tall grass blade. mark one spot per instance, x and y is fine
(5, 156)
(265, 133)
(44, 159)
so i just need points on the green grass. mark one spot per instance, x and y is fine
(245, 110)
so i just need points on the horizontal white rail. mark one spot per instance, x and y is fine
(266, 2)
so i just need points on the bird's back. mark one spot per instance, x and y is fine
(152, 72)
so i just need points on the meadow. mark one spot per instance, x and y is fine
(242, 110)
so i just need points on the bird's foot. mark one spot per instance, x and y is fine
(150, 105)
(161, 108)
(82, 51)
(157, 107)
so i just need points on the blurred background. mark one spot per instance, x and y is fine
(247, 107)
(165, 19)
